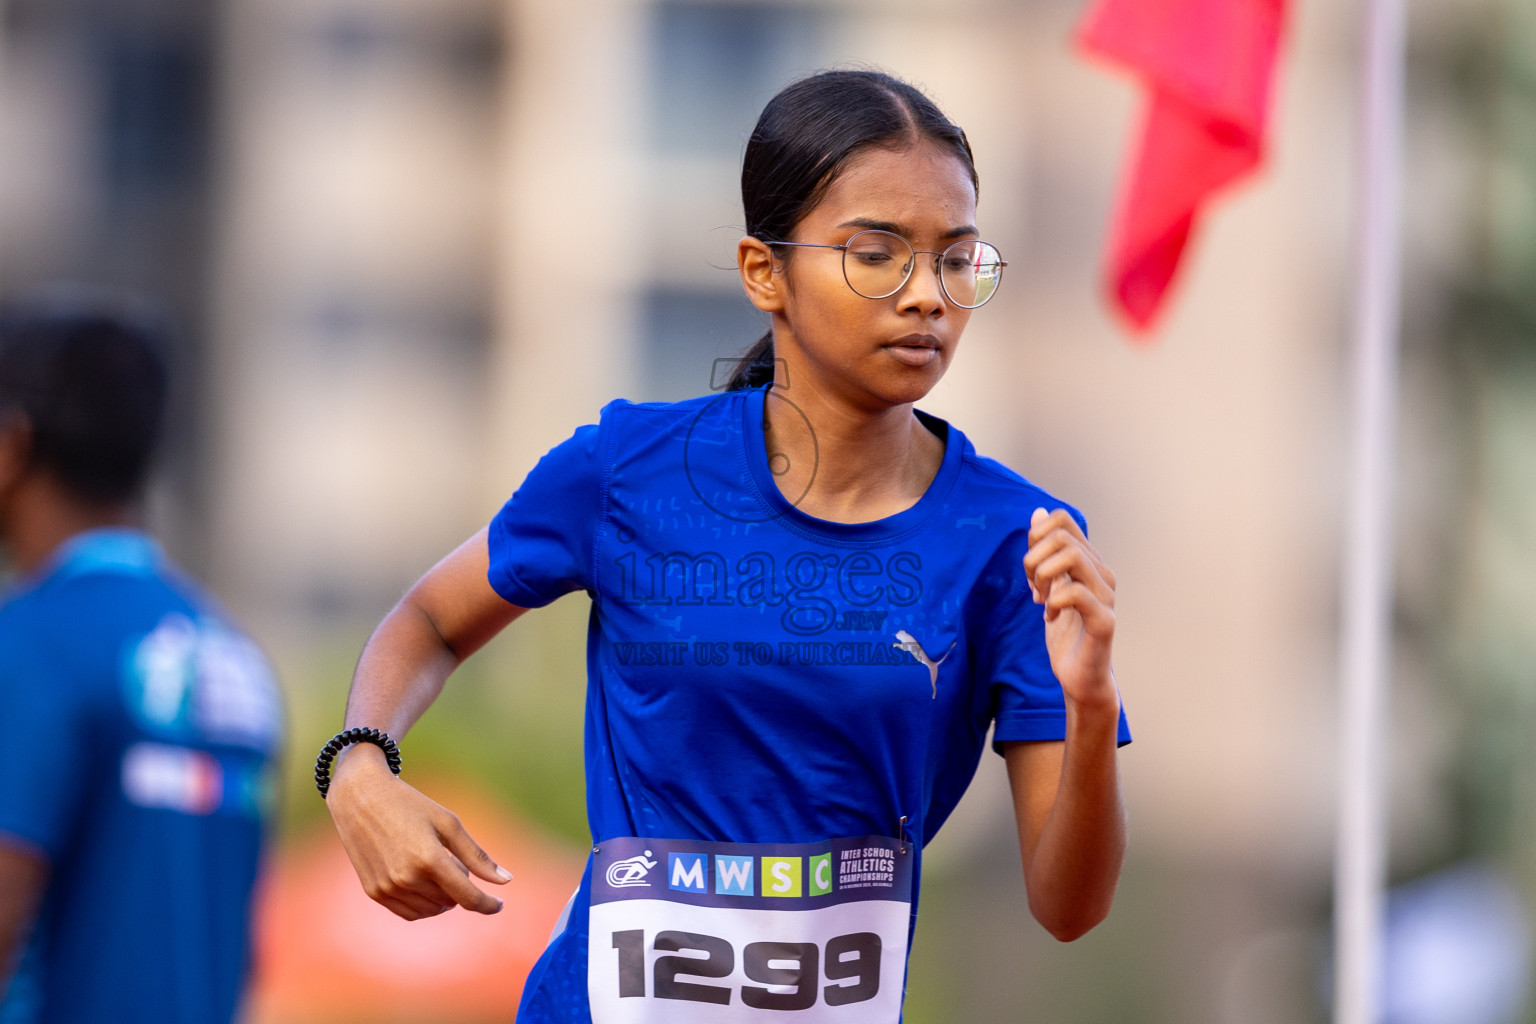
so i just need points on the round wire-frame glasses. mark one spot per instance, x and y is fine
(877, 264)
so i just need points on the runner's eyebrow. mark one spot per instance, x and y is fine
(896, 229)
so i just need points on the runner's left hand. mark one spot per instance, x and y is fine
(1078, 590)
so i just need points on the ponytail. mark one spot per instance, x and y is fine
(755, 367)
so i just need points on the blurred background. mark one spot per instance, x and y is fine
(362, 216)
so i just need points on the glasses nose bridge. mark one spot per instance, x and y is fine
(934, 264)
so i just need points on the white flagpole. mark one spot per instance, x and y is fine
(1360, 866)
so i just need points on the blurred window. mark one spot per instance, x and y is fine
(685, 331)
(366, 324)
(467, 44)
(156, 92)
(714, 65)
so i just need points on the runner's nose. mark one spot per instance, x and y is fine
(922, 293)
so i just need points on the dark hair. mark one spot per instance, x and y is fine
(89, 373)
(804, 139)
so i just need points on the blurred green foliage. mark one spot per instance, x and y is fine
(509, 720)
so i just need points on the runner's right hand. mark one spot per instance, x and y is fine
(411, 854)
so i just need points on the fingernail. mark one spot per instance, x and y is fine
(503, 874)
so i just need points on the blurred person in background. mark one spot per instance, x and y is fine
(140, 726)
(811, 601)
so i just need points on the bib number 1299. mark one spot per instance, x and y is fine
(790, 973)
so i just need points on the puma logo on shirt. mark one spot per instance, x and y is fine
(911, 646)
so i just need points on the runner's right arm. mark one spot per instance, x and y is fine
(411, 854)
(23, 877)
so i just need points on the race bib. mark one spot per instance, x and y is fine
(685, 932)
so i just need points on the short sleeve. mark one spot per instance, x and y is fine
(541, 541)
(1026, 698)
(44, 759)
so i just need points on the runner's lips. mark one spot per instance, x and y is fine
(915, 341)
(916, 350)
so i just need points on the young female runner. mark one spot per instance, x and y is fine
(810, 601)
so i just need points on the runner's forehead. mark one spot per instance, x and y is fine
(898, 228)
(924, 190)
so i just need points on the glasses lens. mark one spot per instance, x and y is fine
(970, 271)
(876, 263)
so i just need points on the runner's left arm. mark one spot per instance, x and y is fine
(1066, 794)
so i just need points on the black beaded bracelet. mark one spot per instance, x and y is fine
(330, 750)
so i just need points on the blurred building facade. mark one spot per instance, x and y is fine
(106, 131)
(418, 243)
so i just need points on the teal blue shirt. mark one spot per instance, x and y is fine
(140, 735)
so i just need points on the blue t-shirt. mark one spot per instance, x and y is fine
(139, 759)
(757, 675)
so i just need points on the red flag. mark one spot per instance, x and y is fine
(1208, 66)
